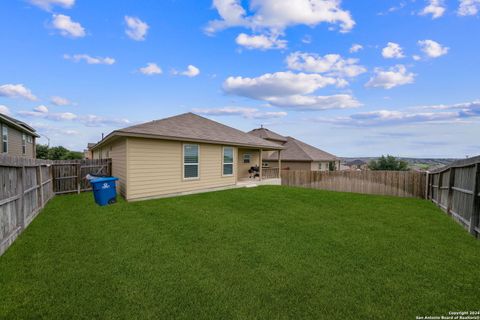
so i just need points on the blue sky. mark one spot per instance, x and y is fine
(355, 78)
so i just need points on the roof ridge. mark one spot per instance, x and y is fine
(301, 144)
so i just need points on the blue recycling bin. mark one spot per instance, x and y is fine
(104, 190)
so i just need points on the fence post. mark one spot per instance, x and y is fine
(20, 191)
(451, 183)
(474, 218)
(427, 185)
(79, 177)
(40, 184)
(22, 196)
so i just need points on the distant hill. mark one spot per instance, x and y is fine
(414, 163)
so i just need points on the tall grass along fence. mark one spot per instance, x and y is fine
(26, 185)
(456, 189)
(393, 183)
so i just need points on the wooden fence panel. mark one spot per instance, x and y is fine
(26, 185)
(458, 192)
(395, 183)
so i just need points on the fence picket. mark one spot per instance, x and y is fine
(26, 185)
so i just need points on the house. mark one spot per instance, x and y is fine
(357, 165)
(87, 153)
(18, 138)
(183, 154)
(297, 155)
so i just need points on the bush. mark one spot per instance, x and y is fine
(389, 163)
(57, 153)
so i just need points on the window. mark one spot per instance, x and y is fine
(246, 158)
(29, 139)
(190, 161)
(5, 138)
(24, 143)
(320, 166)
(227, 161)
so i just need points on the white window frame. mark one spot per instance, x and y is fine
(224, 163)
(190, 164)
(24, 143)
(5, 141)
(249, 155)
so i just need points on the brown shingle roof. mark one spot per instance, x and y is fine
(20, 125)
(267, 134)
(296, 150)
(192, 127)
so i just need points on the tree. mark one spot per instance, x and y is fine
(331, 166)
(57, 153)
(42, 151)
(389, 163)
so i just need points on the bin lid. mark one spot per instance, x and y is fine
(103, 179)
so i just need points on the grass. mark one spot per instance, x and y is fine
(264, 253)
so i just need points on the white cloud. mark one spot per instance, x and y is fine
(393, 77)
(191, 71)
(49, 4)
(151, 69)
(89, 59)
(432, 48)
(355, 48)
(67, 26)
(90, 120)
(308, 102)
(276, 15)
(136, 28)
(392, 50)
(59, 101)
(443, 113)
(307, 39)
(4, 110)
(290, 90)
(469, 7)
(277, 84)
(16, 91)
(41, 108)
(331, 64)
(261, 42)
(248, 113)
(435, 7)
(416, 57)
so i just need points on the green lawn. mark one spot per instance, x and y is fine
(264, 253)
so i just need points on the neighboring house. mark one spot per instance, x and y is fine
(180, 155)
(18, 138)
(357, 165)
(296, 155)
(87, 153)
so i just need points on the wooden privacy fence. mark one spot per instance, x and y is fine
(69, 175)
(456, 189)
(26, 185)
(393, 183)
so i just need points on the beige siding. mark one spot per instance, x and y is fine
(155, 169)
(15, 143)
(244, 167)
(117, 151)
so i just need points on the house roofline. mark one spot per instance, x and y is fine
(120, 133)
(19, 125)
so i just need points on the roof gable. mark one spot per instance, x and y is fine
(268, 134)
(296, 150)
(19, 125)
(192, 127)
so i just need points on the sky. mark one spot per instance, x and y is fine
(354, 78)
